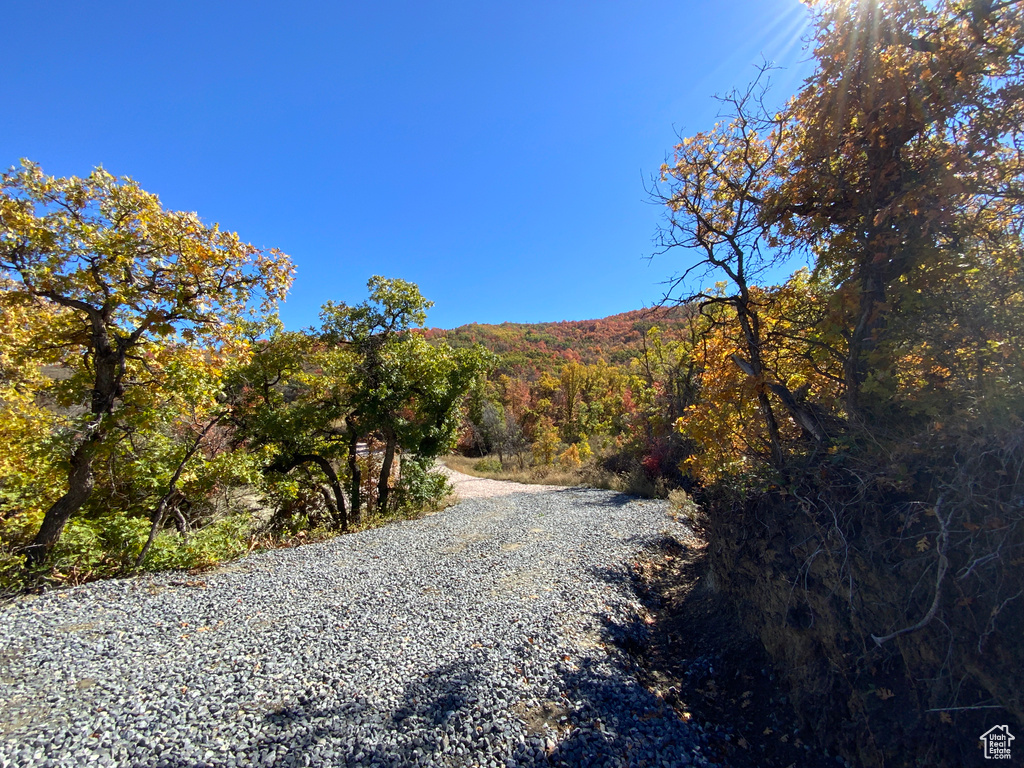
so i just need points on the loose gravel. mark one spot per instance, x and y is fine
(490, 634)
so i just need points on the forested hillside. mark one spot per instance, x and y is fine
(546, 346)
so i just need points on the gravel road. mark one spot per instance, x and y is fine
(470, 487)
(489, 634)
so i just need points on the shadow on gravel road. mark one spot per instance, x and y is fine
(612, 499)
(614, 722)
(599, 716)
(602, 718)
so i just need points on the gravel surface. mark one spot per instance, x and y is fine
(489, 634)
(470, 487)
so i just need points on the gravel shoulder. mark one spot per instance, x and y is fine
(488, 634)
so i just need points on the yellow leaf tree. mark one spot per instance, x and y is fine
(905, 169)
(129, 273)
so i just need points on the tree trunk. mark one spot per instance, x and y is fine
(339, 495)
(384, 484)
(80, 485)
(341, 518)
(161, 507)
(109, 362)
(803, 416)
(752, 334)
(181, 522)
(328, 496)
(158, 518)
(864, 336)
(356, 477)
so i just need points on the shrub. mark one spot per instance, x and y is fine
(488, 465)
(421, 487)
(570, 457)
(684, 506)
(12, 573)
(546, 445)
(222, 540)
(584, 448)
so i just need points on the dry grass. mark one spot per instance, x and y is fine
(535, 475)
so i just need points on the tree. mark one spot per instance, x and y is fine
(716, 188)
(899, 167)
(545, 446)
(291, 402)
(393, 307)
(130, 274)
(438, 380)
(904, 164)
(401, 387)
(492, 429)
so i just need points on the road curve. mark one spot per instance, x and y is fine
(470, 487)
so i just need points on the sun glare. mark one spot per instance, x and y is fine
(777, 39)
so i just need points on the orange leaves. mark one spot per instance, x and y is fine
(725, 423)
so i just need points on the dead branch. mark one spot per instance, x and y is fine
(940, 547)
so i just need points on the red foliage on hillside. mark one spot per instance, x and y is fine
(546, 346)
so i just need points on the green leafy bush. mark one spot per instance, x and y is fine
(225, 539)
(488, 465)
(421, 487)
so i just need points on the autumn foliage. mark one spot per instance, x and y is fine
(853, 431)
(858, 433)
(156, 414)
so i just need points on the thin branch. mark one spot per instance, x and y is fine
(940, 548)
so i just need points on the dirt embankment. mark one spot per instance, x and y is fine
(890, 596)
(702, 662)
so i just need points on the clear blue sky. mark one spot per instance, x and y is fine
(493, 153)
